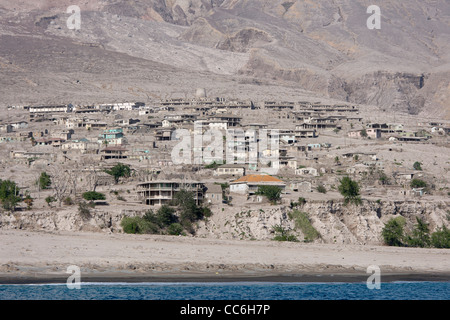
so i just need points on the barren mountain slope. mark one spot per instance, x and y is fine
(316, 48)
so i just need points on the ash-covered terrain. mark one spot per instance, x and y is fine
(248, 49)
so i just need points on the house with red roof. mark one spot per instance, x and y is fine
(249, 184)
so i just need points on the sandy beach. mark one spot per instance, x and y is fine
(42, 257)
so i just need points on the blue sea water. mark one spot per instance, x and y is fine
(229, 291)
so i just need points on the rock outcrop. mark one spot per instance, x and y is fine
(336, 222)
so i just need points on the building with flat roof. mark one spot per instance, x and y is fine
(161, 192)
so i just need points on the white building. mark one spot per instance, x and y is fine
(307, 171)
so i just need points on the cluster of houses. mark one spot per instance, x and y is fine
(144, 135)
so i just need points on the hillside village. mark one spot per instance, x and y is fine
(319, 144)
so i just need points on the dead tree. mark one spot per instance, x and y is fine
(61, 183)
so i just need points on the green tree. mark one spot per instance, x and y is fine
(417, 165)
(44, 181)
(441, 238)
(384, 179)
(364, 133)
(50, 200)
(272, 193)
(150, 217)
(189, 210)
(118, 171)
(421, 234)
(417, 183)
(93, 195)
(350, 190)
(9, 194)
(130, 225)
(165, 216)
(393, 233)
(175, 229)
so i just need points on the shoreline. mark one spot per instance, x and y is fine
(28, 257)
(127, 278)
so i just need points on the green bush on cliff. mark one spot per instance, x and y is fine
(350, 190)
(282, 234)
(302, 221)
(393, 232)
(441, 238)
(394, 235)
(138, 225)
(420, 236)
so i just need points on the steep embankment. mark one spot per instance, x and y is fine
(335, 222)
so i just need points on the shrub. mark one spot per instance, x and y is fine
(212, 165)
(9, 194)
(350, 190)
(130, 225)
(68, 201)
(301, 201)
(281, 234)
(165, 216)
(384, 179)
(93, 195)
(272, 193)
(321, 188)
(118, 171)
(364, 133)
(175, 229)
(150, 216)
(138, 225)
(417, 183)
(147, 227)
(393, 233)
(44, 181)
(417, 165)
(302, 221)
(207, 212)
(421, 235)
(84, 211)
(50, 200)
(441, 238)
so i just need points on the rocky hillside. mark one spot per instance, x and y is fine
(308, 48)
(335, 222)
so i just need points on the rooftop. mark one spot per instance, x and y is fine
(258, 178)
